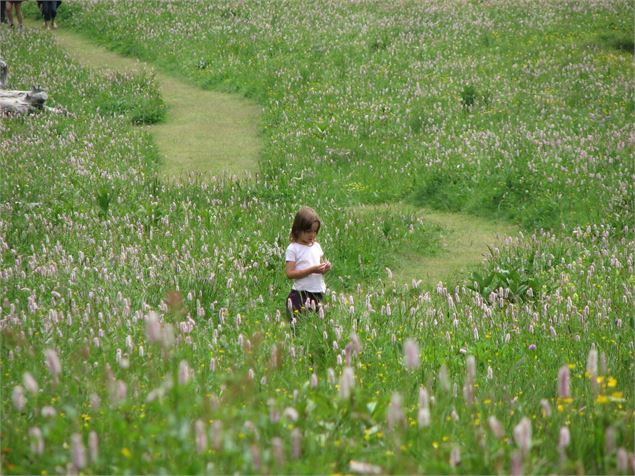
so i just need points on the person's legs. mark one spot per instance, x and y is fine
(47, 12)
(3, 11)
(18, 13)
(53, 11)
(295, 305)
(10, 13)
(299, 302)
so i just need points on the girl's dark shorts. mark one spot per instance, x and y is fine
(301, 301)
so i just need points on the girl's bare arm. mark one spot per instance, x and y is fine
(293, 273)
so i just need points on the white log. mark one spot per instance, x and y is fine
(14, 102)
(22, 102)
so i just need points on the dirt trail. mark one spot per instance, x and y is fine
(204, 131)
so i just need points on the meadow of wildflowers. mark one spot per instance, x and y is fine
(142, 320)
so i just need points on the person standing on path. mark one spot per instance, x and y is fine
(3, 11)
(15, 6)
(305, 264)
(49, 12)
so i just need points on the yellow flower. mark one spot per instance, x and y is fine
(125, 452)
(435, 445)
(612, 382)
(599, 379)
(617, 395)
(602, 399)
(572, 366)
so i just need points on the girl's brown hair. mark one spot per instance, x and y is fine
(304, 220)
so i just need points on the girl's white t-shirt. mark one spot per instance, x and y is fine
(304, 257)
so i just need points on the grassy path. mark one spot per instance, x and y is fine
(211, 132)
(204, 132)
(464, 243)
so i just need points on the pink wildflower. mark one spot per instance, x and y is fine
(522, 435)
(78, 451)
(565, 438)
(184, 372)
(455, 456)
(296, 442)
(29, 383)
(153, 327)
(291, 413)
(93, 447)
(517, 464)
(37, 442)
(622, 460)
(201, 436)
(18, 398)
(592, 363)
(395, 414)
(545, 407)
(444, 380)
(360, 467)
(411, 354)
(347, 382)
(53, 363)
(496, 427)
(277, 449)
(563, 382)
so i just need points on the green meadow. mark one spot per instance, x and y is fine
(143, 298)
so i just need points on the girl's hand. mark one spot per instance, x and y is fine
(323, 268)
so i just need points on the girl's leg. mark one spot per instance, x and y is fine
(295, 305)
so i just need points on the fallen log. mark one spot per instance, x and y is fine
(14, 102)
(22, 102)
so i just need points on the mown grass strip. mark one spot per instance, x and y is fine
(205, 132)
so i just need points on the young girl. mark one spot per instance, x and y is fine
(305, 263)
